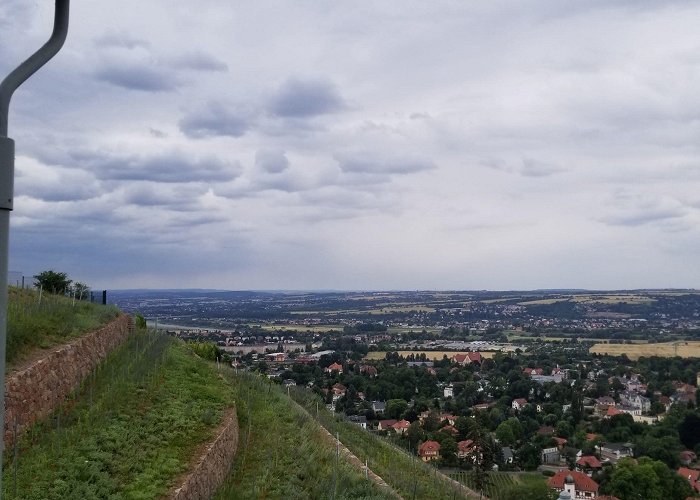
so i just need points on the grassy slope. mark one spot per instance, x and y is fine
(130, 430)
(407, 475)
(282, 452)
(32, 323)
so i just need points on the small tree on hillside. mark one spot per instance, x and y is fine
(81, 291)
(52, 281)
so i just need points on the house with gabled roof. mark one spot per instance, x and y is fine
(334, 367)
(519, 403)
(577, 484)
(429, 450)
(401, 427)
(588, 464)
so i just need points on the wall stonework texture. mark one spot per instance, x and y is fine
(209, 471)
(33, 391)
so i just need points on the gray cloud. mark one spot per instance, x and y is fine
(536, 168)
(177, 197)
(173, 166)
(640, 210)
(121, 40)
(527, 167)
(216, 119)
(199, 61)
(306, 98)
(272, 161)
(141, 77)
(366, 163)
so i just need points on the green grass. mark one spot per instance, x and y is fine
(500, 482)
(410, 477)
(40, 322)
(282, 453)
(133, 426)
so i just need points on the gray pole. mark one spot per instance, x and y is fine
(7, 175)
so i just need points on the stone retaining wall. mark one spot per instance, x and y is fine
(33, 391)
(212, 466)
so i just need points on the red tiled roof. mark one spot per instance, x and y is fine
(581, 480)
(560, 441)
(402, 424)
(612, 411)
(465, 446)
(589, 461)
(385, 424)
(591, 437)
(474, 357)
(690, 474)
(429, 446)
(459, 358)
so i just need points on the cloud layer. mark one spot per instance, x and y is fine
(388, 145)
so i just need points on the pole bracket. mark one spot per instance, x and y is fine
(7, 172)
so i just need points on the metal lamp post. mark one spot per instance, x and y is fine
(7, 176)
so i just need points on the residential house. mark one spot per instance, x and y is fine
(635, 400)
(467, 450)
(519, 404)
(550, 455)
(533, 371)
(334, 367)
(561, 442)
(338, 392)
(360, 420)
(288, 382)
(369, 370)
(507, 455)
(467, 358)
(276, 357)
(401, 427)
(451, 419)
(429, 450)
(378, 406)
(577, 484)
(691, 475)
(588, 464)
(615, 451)
(385, 425)
(448, 391)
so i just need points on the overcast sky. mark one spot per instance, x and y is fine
(311, 144)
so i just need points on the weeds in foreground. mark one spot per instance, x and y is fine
(35, 320)
(127, 433)
(282, 453)
(410, 477)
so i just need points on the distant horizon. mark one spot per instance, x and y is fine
(417, 290)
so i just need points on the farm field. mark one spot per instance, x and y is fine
(684, 349)
(432, 355)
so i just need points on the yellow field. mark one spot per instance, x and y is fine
(592, 299)
(431, 355)
(684, 349)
